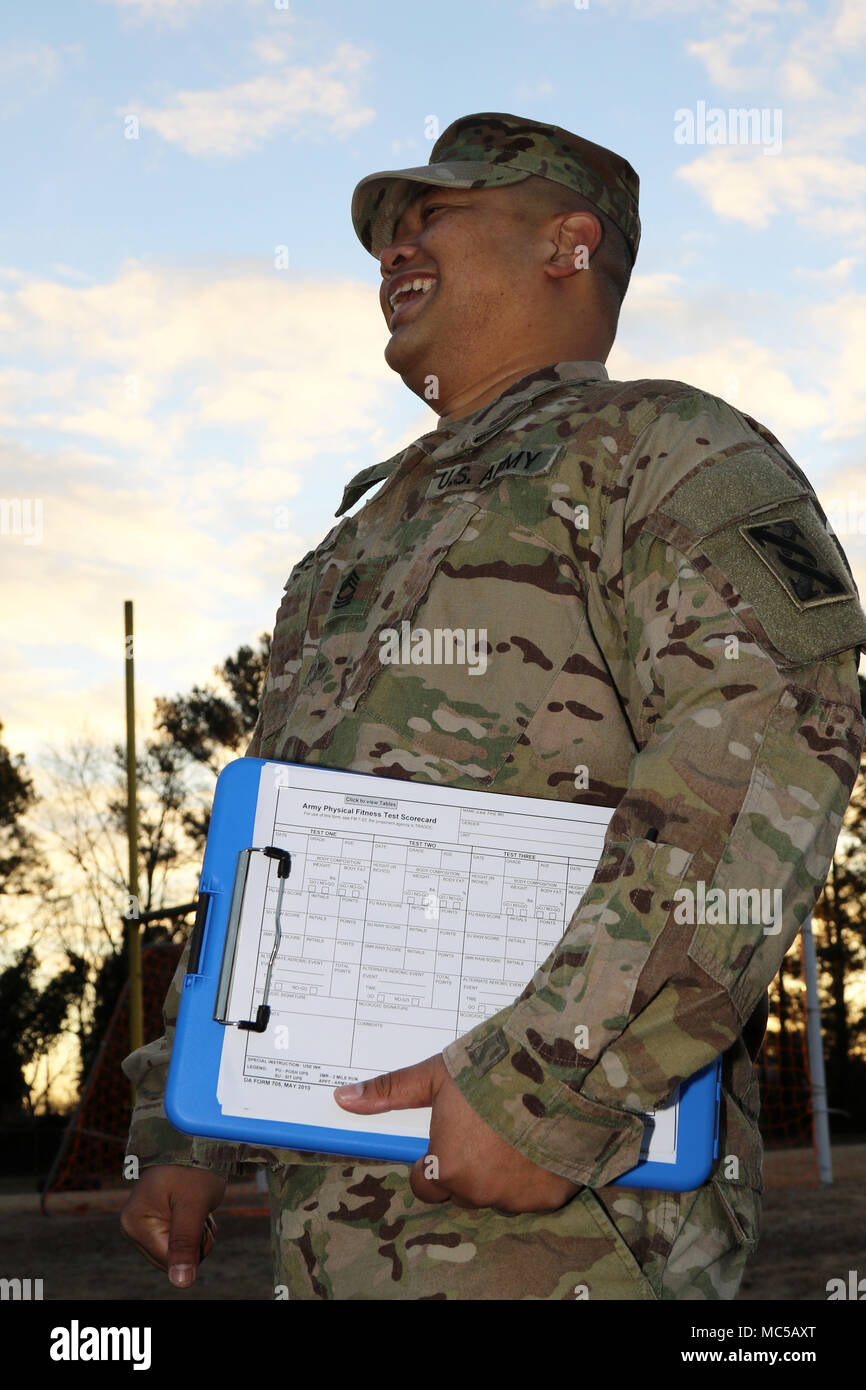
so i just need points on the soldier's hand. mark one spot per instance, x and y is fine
(168, 1217)
(473, 1167)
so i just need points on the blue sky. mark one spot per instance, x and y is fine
(187, 414)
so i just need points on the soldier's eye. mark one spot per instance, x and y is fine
(432, 207)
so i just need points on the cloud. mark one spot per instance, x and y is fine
(203, 554)
(738, 10)
(805, 387)
(849, 25)
(31, 63)
(28, 69)
(746, 373)
(271, 48)
(799, 81)
(716, 54)
(840, 328)
(532, 91)
(144, 362)
(798, 55)
(71, 272)
(832, 38)
(254, 396)
(174, 12)
(802, 383)
(231, 121)
(741, 184)
(829, 275)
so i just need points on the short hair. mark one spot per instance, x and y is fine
(539, 198)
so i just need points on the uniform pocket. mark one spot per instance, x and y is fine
(717, 1232)
(742, 1207)
(478, 640)
(370, 1238)
(651, 1204)
(365, 633)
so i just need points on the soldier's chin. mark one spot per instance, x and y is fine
(404, 346)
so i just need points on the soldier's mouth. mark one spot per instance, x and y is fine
(407, 301)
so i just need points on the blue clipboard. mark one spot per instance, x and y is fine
(191, 1100)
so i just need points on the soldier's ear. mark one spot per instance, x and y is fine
(575, 236)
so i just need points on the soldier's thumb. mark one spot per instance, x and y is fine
(185, 1242)
(406, 1089)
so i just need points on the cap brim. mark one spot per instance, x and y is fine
(380, 200)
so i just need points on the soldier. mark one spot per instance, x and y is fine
(670, 629)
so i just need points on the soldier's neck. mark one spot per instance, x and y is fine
(466, 402)
(474, 396)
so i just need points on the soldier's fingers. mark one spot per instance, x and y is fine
(147, 1230)
(461, 1202)
(408, 1088)
(155, 1251)
(189, 1235)
(427, 1189)
(152, 1259)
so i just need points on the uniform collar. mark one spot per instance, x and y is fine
(457, 437)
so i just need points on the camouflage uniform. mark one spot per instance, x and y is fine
(655, 646)
(665, 608)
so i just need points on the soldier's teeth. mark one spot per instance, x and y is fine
(417, 284)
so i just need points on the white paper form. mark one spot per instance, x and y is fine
(411, 913)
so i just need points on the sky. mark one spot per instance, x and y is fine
(191, 356)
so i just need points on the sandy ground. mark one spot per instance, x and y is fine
(810, 1234)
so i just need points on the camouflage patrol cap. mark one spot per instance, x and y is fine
(490, 149)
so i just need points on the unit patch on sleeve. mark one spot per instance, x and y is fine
(523, 463)
(794, 560)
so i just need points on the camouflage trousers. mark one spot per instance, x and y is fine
(357, 1231)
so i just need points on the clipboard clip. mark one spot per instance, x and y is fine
(263, 1012)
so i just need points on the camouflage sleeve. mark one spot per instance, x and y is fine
(745, 711)
(152, 1138)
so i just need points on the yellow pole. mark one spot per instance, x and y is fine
(133, 935)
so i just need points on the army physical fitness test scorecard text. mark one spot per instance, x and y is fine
(352, 924)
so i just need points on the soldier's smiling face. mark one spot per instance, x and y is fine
(476, 277)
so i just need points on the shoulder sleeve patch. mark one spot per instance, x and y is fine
(796, 563)
(758, 538)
